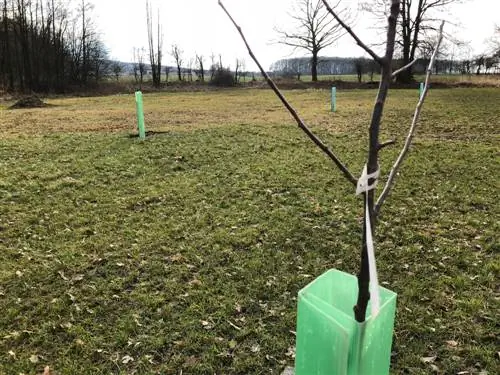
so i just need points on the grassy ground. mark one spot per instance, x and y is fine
(184, 253)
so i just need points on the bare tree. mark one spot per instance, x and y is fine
(86, 37)
(243, 71)
(366, 184)
(139, 65)
(190, 65)
(238, 66)
(479, 62)
(313, 30)
(359, 66)
(177, 55)
(167, 73)
(213, 66)
(116, 69)
(155, 49)
(200, 72)
(373, 68)
(494, 43)
(417, 19)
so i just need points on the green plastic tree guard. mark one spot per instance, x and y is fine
(140, 115)
(330, 341)
(334, 99)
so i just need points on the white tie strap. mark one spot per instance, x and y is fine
(364, 187)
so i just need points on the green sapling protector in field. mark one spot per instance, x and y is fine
(140, 115)
(334, 99)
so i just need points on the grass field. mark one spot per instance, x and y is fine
(184, 254)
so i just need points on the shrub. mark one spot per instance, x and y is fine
(222, 78)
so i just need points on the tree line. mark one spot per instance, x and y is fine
(47, 46)
(314, 29)
(331, 66)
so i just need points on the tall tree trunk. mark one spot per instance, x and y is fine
(314, 66)
(8, 58)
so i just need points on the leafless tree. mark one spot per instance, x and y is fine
(373, 68)
(87, 33)
(479, 62)
(238, 67)
(200, 72)
(494, 42)
(312, 31)
(139, 65)
(359, 66)
(369, 178)
(190, 64)
(155, 47)
(213, 66)
(167, 73)
(116, 69)
(177, 55)
(417, 19)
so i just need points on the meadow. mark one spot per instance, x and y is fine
(184, 253)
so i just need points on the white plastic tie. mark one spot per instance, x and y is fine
(363, 187)
(363, 182)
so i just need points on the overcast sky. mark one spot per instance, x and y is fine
(200, 26)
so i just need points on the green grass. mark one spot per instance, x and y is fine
(110, 247)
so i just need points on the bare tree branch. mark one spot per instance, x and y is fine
(290, 109)
(368, 50)
(386, 144)
(390, 181)
(402, 69)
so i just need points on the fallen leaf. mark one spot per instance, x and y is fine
(434, 368)
(232, 344)
(428, 359)
(46, 370)
(452, 343)
(126, 359)
(238, 308)
(255, 348)
(12, 354)
(34, 358)
(206, 325)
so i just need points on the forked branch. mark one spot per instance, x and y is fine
(411, 133)
(360, 43)
(289, 107)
